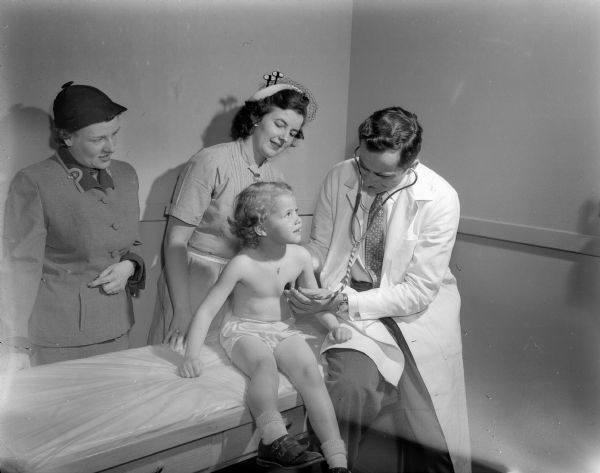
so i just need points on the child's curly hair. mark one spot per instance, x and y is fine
(252, 206)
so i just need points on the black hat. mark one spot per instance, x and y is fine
(77, 106)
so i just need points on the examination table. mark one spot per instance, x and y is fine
(129, 411)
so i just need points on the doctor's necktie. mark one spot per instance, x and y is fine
(374, 240)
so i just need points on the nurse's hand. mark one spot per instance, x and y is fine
(178, 328)
(309, 301)
(114, 278)
(190, 368)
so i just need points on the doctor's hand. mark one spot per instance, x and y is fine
(309, 301)
(114, 278)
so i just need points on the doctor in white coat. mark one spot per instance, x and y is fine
(404, 309)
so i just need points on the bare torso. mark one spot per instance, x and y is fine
(259, 292)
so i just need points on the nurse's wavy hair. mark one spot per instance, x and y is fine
(251, 208)
(393, 129)
(253, 111)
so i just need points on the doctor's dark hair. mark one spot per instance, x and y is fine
(252, 206)
(393, 129)
(253, 111)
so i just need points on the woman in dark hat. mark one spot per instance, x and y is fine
(198, 241)
(71, 222)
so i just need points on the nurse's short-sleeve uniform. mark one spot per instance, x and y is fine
(204, 197)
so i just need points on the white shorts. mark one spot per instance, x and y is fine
(272, 333)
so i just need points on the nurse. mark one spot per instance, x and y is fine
(382, 235)
(71, 226)
(198, 241)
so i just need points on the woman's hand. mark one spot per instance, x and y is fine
(310, 301)
(190, 368)
(178, 329)
(339, 334)
(114, 278)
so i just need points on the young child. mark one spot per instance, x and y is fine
(260, 336)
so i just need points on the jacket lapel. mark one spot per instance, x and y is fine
(352, 192)
(336, 262)
(403, 220)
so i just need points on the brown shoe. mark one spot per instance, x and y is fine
(287, 453)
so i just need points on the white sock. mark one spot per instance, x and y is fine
(270, 425)
(334, 451)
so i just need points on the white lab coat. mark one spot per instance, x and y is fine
(417, 288)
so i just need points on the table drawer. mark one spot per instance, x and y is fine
(209, 453)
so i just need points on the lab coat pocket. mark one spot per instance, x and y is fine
(400, 255)
(102, 316)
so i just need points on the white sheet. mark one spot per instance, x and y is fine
(55, 414)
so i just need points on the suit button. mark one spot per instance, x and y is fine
(115, 226)
(104, 200)
(114, 253)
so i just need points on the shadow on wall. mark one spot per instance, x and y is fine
(218, 130)
(584, 297)
(583, 291)
(27, 137)
(161, 193)
(163, 187)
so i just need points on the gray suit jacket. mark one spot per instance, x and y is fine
(57, 240)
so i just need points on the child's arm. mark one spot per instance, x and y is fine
(336, 332)
(192, 364)
(327, 319)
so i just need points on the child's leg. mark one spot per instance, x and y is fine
(251, 355)
(256, 360)
(295, 358)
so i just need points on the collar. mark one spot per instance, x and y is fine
(82, 176)
(421, 190)
(250, 164)
(250, 161)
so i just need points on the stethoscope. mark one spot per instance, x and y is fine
(357, 202)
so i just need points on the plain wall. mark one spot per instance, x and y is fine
(507, 93)
(182, 68)
(531, 339)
